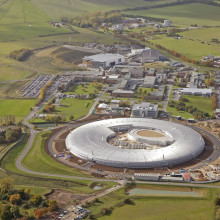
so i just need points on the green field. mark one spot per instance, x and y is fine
(21, 19)
(38, 160)
(185, 15)
(80, 89)
(201, 103)
(183, 114)
(191, 49)
(75, 107)
(16, 107)
(164, 209)
(56, 8)
(204, 34)
(157, 208)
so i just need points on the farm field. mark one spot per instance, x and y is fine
(191, 49)
(56, 9)
(204, 34)
(16, 107)
(184, 15)
(21, 19)
(75, 107)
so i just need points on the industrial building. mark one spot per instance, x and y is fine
(91, 142)
(103, 60)
(144, 110)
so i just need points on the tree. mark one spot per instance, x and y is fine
(71, 117)
(15, 199)
(6, 213)
(15, 211)
(36, 200)
(6, 185)
(40, 213)
(53, 205)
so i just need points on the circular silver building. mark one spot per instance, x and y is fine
(135, 143)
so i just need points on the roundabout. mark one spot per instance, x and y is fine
(135, 143)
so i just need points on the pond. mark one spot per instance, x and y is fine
(150, 192)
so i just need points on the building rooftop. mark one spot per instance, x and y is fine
(103, 57)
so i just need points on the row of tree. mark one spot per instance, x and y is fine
(93, 19)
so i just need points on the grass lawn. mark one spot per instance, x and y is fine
(201, 103)
(23, 180)
(186, 14)
(75, 107)
(38, 160)
(183, 114)
(160, 207)
(80, 89)
(16, 107)
(164, 209)
(148, 90)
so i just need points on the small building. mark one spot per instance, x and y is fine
(123, 93)
(167, 23)
(144, 110)
(104, 61)
(158, 94)
(149, 81)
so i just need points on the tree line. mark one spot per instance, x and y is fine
(93, 19)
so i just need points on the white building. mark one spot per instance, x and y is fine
(167, 23)
(144, 110)
(196, 91)
(103, 60)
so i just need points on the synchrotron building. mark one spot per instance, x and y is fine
(175, 144)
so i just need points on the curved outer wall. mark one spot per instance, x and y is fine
(89, 142)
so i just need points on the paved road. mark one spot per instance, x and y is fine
(167, 98)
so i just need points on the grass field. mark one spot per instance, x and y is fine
(204, 34)
(183, 114)
(187, 14)
(201, 103)
(21, 19)
(16, 107)
(38, 160)
(75, 107)
(56, 8)
(164, 209)
(161, 207)
(79, 89)
(191, 49)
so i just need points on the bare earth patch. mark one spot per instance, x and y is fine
(148, 133)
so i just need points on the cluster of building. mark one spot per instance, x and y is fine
(133, 23)
(213, 60)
